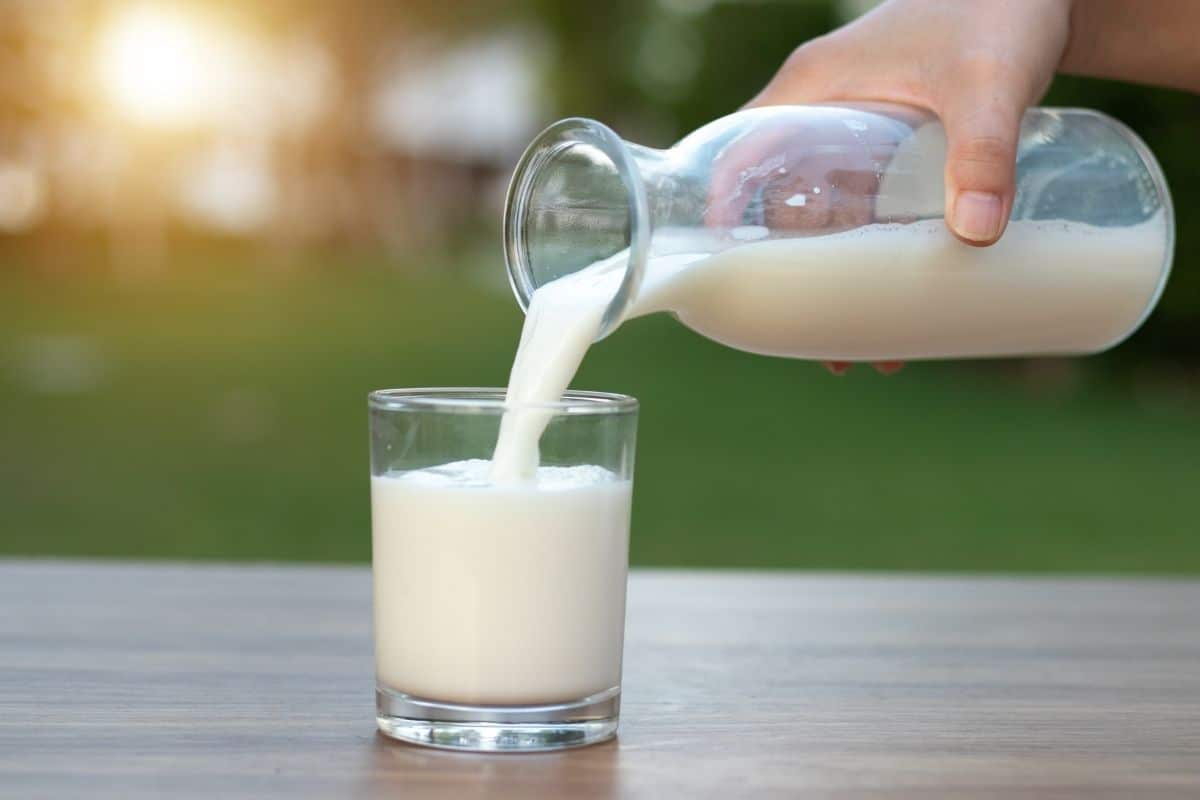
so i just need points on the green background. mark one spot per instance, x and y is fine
(224, 415)
(229, 421)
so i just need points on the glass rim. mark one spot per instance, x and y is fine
(491, 400)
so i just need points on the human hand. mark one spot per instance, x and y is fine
(977, 65)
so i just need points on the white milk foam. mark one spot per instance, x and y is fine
(499, 595)
(879, 292)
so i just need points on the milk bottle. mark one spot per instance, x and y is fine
(817, 232)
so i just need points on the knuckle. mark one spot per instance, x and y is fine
(812, 54)
(983, 68)
(798, 58)
(984, 150)
(983, 162)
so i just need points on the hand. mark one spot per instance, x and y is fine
(977, 65)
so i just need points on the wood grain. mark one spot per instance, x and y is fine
(131, 681)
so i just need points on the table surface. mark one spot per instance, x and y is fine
(131, 680)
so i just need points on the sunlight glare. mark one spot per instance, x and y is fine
(153, 65)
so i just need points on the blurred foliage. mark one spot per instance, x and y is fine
(216, 408)
(654, 69)
(220, 412)
(659, 70)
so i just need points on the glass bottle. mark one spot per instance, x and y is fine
(816, 232)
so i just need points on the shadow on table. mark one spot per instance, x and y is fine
(399, 770)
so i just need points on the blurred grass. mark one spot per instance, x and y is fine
(227, 420)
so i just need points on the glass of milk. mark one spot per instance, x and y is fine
(499, 606)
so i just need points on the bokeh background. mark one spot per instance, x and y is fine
(222, 223)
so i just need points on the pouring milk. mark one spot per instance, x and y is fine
(816, 232)
(878, 292)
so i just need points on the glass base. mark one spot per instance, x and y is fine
(503, 729)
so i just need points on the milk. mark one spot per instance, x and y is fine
(562, 321)
(879, 292)
(499, 595)
(899, 292)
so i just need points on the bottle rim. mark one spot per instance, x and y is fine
(556, 138)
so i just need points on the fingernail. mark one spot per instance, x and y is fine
(978, 216)
(838, 367)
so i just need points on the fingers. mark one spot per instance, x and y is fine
(812, 173)
(741, 169)
(981, 134)
(882, 367)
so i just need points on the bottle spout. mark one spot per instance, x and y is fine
(577, 198)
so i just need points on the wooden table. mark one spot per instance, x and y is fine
(130, 681)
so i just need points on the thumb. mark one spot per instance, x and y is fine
(980, 165)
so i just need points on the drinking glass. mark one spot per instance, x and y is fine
(499, 608)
